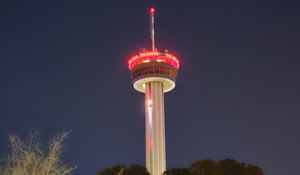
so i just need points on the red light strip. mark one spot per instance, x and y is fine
(133, 61)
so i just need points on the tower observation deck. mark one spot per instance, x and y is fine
(154, 73)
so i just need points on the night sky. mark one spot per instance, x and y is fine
(63, 65)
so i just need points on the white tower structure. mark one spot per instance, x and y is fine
(154, 73)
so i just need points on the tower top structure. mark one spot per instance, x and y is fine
(163, 65)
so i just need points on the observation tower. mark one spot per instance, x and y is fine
(154, 73)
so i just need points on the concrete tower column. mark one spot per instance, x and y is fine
(155, 128)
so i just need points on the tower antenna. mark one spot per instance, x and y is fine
(152, 28)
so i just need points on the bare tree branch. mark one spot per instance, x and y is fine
(28, 158)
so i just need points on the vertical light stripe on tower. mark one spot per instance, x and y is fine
(148, 127)
(163, 130)
(155, 128)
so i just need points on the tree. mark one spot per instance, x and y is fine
(123, 170)
(211, 167)
(115, 170)
(254, 170)
(204, 167)
(177, 171)
(28, 158)
(230, 166)
(199, 167)
(136, 170)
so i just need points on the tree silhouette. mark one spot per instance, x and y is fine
(28, 158)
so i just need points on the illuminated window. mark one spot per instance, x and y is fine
(153, 70)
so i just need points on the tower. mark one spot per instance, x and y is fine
(154, 73)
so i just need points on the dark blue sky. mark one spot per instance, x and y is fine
(63, 65)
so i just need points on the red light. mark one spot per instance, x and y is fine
(146, 57)
(150, 143)
(152, 9)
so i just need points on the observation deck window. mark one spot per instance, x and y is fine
(153, 70)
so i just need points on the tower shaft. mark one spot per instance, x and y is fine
(155, 128)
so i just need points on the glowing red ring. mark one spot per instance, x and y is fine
(136, 59)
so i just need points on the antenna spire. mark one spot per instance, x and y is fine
(152, 28)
